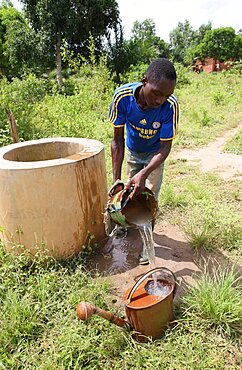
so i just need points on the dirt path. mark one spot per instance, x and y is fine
(211, 157)
(119, 258)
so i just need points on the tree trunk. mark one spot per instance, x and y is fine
(13, 125)
(58, 61)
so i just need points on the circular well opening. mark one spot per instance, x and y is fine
(43, 151)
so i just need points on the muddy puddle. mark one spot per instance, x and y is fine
(118, 255)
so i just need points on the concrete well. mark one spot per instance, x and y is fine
(53, 194)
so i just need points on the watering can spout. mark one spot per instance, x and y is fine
(86, 310)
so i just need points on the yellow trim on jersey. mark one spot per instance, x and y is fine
(175, 108)
(170, 138)
(120, 94)
(117, 126)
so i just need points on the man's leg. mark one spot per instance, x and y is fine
(134, 164)
(154, 180)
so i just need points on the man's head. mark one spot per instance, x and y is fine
(158, 83)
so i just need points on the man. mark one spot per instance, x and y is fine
(150, 113)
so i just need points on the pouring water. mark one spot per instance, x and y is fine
(146, 233)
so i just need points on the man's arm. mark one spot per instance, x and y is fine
(138, 181)
(117, 152)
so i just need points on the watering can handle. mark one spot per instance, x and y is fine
(138, 282)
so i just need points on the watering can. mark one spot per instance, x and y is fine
(148, 315)
(130, 212)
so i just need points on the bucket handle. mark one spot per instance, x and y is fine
(138, 282)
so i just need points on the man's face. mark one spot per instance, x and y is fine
(156, 94)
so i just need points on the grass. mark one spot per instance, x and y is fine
(211, 225)
(234, 145)
(203, 205)
(216, 299)
(40, 329)
(210, 104)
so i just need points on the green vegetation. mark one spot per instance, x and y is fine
(221, 44)
(234, 145)
(205, 207)
(216, 300)
(39, 327)
(207, 107)
(40, 330)
(33, 40)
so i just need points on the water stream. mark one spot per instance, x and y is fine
(137, 213)
(146, 234)
(155, 287)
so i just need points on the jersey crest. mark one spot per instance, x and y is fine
(156, 125)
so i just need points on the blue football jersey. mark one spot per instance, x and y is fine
(144, 128)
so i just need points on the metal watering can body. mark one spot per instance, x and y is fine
(148, 315)
(128, 212)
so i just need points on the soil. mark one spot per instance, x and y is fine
(118, 259)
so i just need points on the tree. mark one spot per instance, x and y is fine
(221, 43)
(120, 55)
(193, 49)
(146, 44)
(21, 48)
(181, 39)
(143, 46)
(238, 46)
(8, 16)
(200, 33)
(72, 20)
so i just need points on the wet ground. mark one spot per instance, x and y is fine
(118, 259)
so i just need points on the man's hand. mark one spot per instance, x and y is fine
(138, 183)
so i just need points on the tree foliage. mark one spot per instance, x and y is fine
(10, 19)
(32, 40)
(143, 46)
(194, 48)
(181, 38)
(146, 44)
(72, 20)
(222, 44)
(21, 48)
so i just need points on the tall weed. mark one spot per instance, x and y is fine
(216, 299)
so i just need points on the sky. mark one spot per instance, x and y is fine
(167, 13)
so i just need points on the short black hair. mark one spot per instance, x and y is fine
(159, 68)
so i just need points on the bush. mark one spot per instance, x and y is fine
(80, 110)
(182, 75)
(134, 74)
(20, 96)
